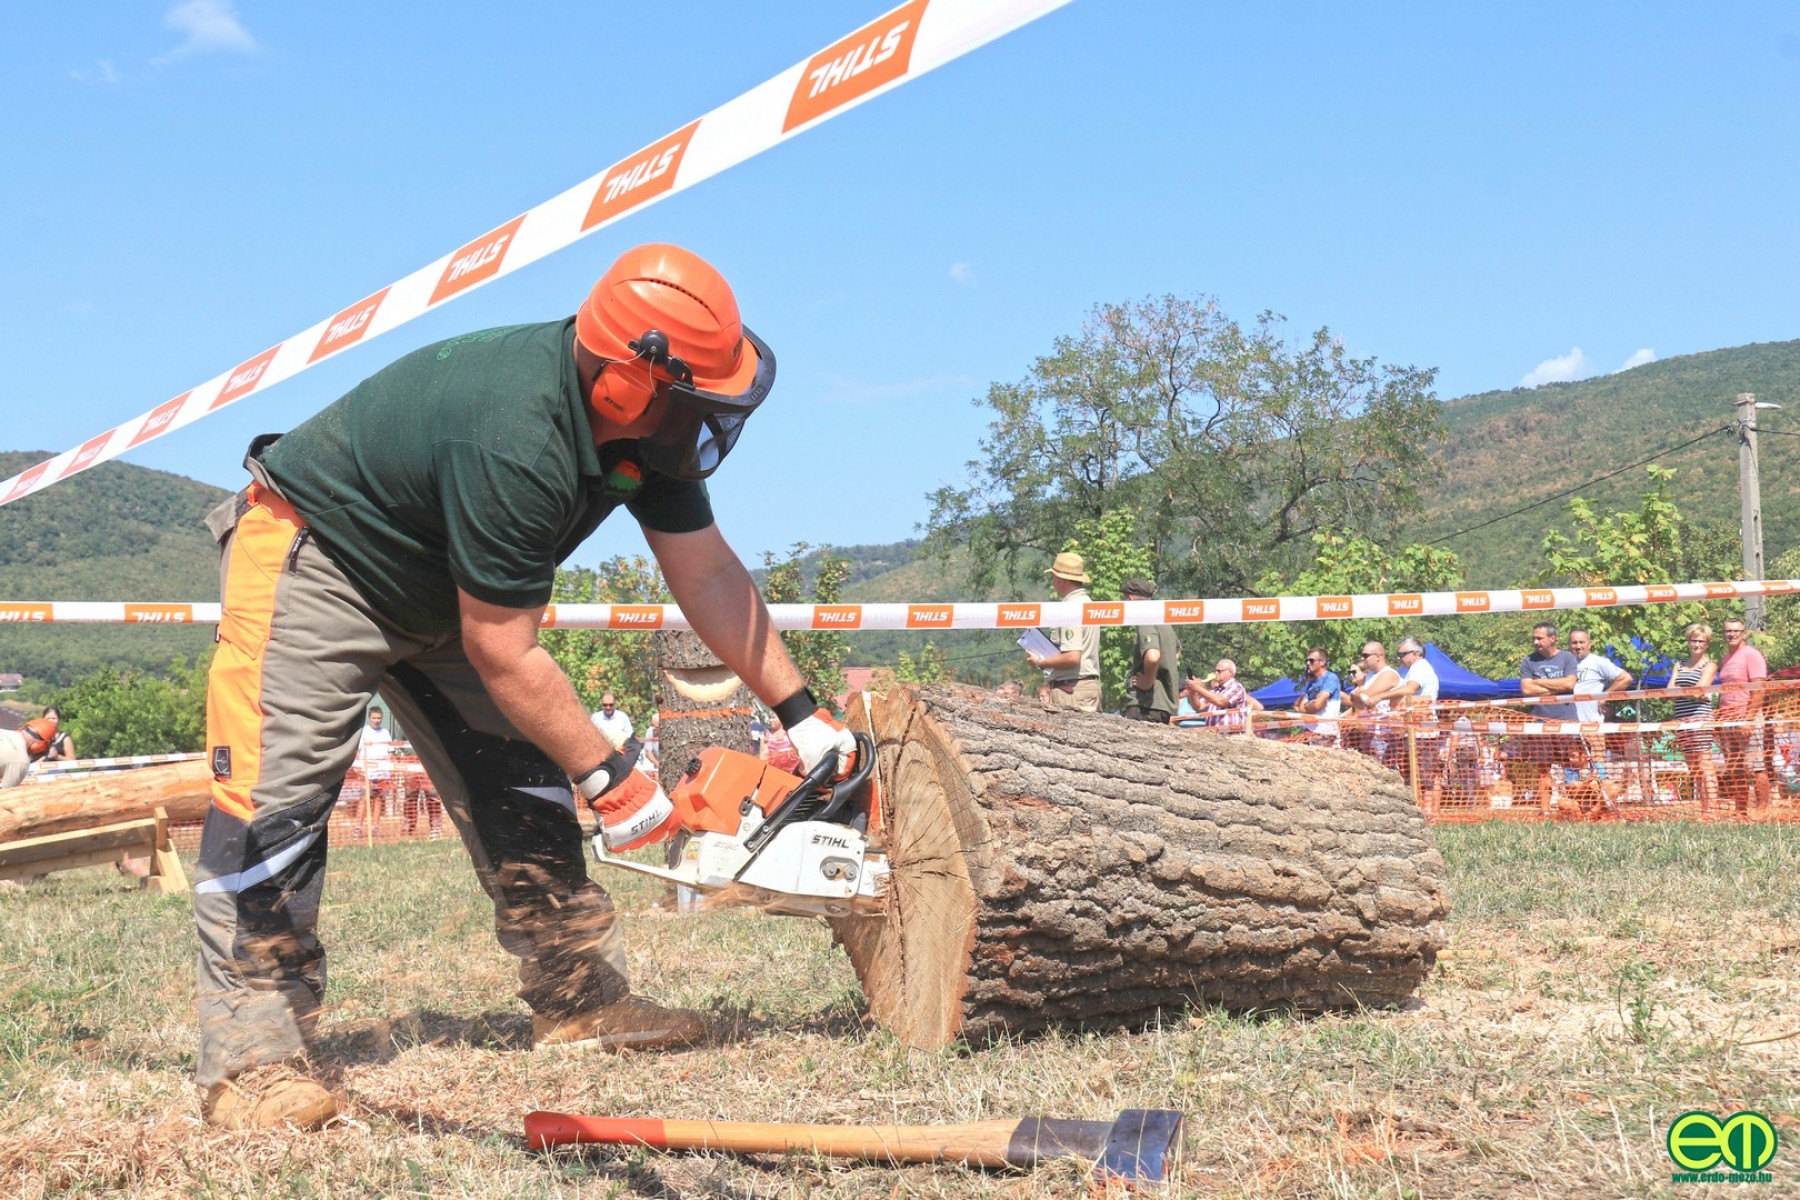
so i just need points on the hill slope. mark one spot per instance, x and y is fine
(1507, 449)
(117, 532)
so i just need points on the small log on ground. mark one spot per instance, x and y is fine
(1060, 869)
(40, 809)
(703, 703)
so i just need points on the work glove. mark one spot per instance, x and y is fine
(634, 810)
(817, 736)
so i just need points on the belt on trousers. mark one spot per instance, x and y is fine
(1068, 685)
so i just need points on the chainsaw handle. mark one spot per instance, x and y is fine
(803, 803)
(846, 790)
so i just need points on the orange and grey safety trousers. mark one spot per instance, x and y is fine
(300, 656)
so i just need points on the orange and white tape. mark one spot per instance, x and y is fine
(1022, 615)
(896, 47)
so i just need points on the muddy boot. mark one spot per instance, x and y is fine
(268, 1097)
(633, 1023)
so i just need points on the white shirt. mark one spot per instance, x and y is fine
(616, 728)
(1592, 674)
(373, 750)
(1425, 675)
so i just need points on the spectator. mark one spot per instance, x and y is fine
(650, 757)
(1372, 700)
(778, 751)
(374, 752)
(759, 730)
(1075, 668)
(1227, 703)
(1417, 695)
(1697, 670)
(1321, 696)
(1742, 663)
(62, 746)
(1012, 689)
(1547, 671)
(1153, 662)
(613, 724)
(1190, 709)
(1044, 695)
(1595, 674)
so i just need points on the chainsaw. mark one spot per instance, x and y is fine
(752, 834)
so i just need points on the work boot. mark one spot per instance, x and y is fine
(633, 1023)
(268, 1097)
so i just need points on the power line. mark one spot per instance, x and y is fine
(1583, 486)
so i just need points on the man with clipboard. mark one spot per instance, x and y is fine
(1074, 670)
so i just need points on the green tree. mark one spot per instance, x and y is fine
(928, 666)
(818, 653)
(1230, 445)
(1649, 545)
(116, 713)
(1110, 550)
(1345, 564)
(601, 661)
(1781, 643)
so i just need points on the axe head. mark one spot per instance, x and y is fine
(1140, 1145)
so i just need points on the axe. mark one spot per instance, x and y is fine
(1138, 1145)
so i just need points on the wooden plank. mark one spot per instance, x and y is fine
(124, 837)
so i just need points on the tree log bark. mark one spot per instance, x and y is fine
(1064, 869)
(40, 809)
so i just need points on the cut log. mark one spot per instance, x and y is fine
(703, 703)
(1084, 871)
(40, 809)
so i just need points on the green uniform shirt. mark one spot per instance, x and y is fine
(468, 464)
(1160, 696)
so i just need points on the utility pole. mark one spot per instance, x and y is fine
(1750, 503)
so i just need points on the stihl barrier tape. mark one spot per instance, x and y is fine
(1023, 615)
(896, 47)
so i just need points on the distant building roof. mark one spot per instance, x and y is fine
(856, 679)
(10, 681)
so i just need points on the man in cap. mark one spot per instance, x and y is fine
(407, 538)
(1153, 663)
(1074, 670)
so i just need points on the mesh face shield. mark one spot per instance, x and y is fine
(700, 427)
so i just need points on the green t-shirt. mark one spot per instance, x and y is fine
(1160, 696)
(467, 464)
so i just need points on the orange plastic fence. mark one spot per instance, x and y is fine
(1728, 754)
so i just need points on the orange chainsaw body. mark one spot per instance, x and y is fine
(714, 798)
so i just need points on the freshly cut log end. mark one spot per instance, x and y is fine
(1077, 870)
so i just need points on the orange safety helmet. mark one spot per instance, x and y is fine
(666, 322)
(38, 734)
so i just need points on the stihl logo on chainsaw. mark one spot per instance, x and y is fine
(159, 419)
(478, 261)
(832, 840)
(243, 381)
(631, 181)
(880, 52)
(347, 328)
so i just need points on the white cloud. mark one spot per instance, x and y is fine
(1564, 368)
(1637, 359)
(102, 71)
(963, 273)
(206, 26)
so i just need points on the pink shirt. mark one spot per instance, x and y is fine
(1744, 665)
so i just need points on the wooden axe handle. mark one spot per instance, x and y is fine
(981, 1143)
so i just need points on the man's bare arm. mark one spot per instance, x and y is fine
(718, 596)
(527, 685)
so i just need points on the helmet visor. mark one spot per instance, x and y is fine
(700, 427)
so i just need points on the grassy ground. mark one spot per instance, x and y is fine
(1599, 981)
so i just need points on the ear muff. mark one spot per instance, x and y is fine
(623, 390)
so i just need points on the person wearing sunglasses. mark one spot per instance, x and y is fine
(1321, 696)
(407, 538)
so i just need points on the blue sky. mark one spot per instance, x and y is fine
(1519, 193)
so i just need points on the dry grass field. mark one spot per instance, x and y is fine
(1599, 981)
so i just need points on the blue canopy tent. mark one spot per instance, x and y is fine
(1455, 682)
